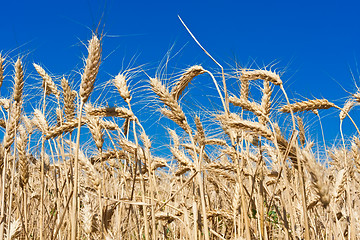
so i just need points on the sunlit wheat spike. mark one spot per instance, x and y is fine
(266, 98)
(105, 156)
(126, 126)
(2, 123)
(5, 103)
(346, 109)
(87, 215)
(91, 68)
(315, 170)
(158, 163)
(47, 83)
(244, 91)
(28, 124)
(94, 125)
(109, 112)
(200, 133)
(1, 70)
(307, 106)
(339, 187)
(215, 141)
(185, 79)
(69, 98)
(235, 122)
(247, 105)
(174, 112)
(40, 121)
(178, 120)
(19, 81)
(301, 130)
(120, 83)
(248, 75)
(15, 229)
(108, 125)
(146, 140)
(12, 124)
(175, 138)
(181, 157)
(67, 126)
(92, 174)
(167, 98)
(23, 161)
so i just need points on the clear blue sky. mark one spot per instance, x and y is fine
(316, 42)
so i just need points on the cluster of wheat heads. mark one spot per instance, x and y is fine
(252, 178)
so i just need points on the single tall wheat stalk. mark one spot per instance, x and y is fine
(87, 84)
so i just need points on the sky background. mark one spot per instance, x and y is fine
(315, 44)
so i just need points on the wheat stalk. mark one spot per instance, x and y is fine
(1, 70)
(87, 84)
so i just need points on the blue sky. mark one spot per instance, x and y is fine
(315, 43)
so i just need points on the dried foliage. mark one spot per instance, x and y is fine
(237, 174)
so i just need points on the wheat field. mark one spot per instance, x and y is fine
(233, 171)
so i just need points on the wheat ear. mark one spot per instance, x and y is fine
(185, 79)
(48, 84)
(301, 130)
(108, 112)
(175, 113)
(5, 103)
(247, 105)
(307, 106)
(19, 81)
(91, 68)
(69, 98)
(120, 83)
(23, 161)
(200, 133)
(40, 121)
(235, 122)
(68, 126)
(248, 75)
(12, 124)
(266, 101)
(94, 125)
(346, 109)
